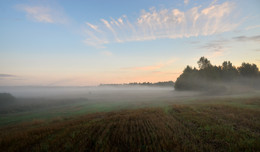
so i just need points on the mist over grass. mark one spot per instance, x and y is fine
(32, 102)
(100, 94)
(114, 117)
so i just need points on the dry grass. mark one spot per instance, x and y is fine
(198, 127)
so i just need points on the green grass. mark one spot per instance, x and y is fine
(77, 107)
(71, 110)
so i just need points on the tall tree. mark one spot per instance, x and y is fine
(247, 69)
(228, 70)
(204, 63)
(211, 76)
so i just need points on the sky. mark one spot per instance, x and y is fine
(86, 43)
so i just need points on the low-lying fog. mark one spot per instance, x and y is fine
(32, 98)
(26, 103)
(96, 93)
(104, 92)
(55, 96)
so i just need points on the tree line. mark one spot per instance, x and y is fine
(148, 84)
(199, 79)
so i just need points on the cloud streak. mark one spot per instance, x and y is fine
(6, 75)
(221, 44)
(106, 53)
(216, 45)
(255, 38)
(43, 14)
(159, 24)
(186, 2)
(151, 67)
(252, 27)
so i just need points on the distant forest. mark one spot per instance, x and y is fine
(149, 84)
(207, 74)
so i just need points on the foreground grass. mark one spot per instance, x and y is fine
(218, 125)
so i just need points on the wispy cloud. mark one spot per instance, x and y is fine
(148, 68)
(186, 2)
(216, 48)
(219, 47)
(216, 45)
(5, 78)
(151, 67)
(6, 75)
(216, 54)
(94, 27)
(252, 27)
(255, 38)
(159, 24)
(43, 14)
(166, 73)
(221, 44)
(106, 53)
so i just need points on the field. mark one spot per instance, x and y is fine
(184, 123)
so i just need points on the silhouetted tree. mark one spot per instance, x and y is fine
(204, 63)
(229, 71)
(248, 70)
(187, 80)
(193, 79)
(157, 84)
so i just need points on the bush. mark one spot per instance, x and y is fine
(6, 98)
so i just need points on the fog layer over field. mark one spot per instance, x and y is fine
(83, 92)
(30, 103)
(122, 94)
(106, 94)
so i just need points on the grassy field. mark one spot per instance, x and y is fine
(210, 124)
(76, 107)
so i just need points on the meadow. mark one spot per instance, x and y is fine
(147, 119)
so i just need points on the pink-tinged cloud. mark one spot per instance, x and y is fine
(43, 14)
(106, 53)
(148, 68)
(151, 67)
(167, 23)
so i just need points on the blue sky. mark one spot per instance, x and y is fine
(63, 42)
